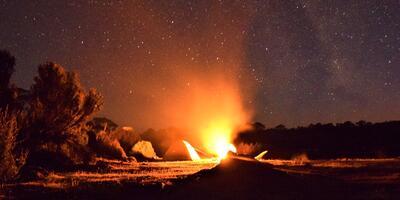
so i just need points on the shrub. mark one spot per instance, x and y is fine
(102, 124)
(108, 147)
(11, 160)
(126, 136)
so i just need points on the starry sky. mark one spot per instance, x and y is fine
(295, 62)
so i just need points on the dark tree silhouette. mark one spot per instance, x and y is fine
(59, 104)
(11, 158)
(47, 123)
(258, 126)
(280, 127)
(7, 62)
(58, 112)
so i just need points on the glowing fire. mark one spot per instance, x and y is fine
(211, 111)
(218, 138)
(220, 145)
(223, 148)
(192, 152)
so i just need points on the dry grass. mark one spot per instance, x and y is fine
(141, 173)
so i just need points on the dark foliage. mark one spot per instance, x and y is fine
(11, 158)
(57, 114)
(328, 141)
(127, 137)
(59, 104)
(51, 118)
(104, 145)
(102, 124)
(113, 144)
(8, 92)
(7, 62)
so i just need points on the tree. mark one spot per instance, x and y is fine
(58, 110)
(280, 127)
(258, 126)
(346, 124)
(361, 123)
(59, 103)
(7, 62)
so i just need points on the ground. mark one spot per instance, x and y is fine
(237, 178)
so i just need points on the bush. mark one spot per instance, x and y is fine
(102, 124)
(126, 136)
(106, 146)
(11, 160)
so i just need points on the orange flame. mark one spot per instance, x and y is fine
(217, 117)
(223, 149)
(212, 110)
(192, 152)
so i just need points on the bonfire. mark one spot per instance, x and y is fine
(222, 151)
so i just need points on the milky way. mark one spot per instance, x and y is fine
(297, 62)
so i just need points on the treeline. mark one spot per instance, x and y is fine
(325, 141)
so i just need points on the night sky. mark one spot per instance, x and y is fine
(296, 62)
